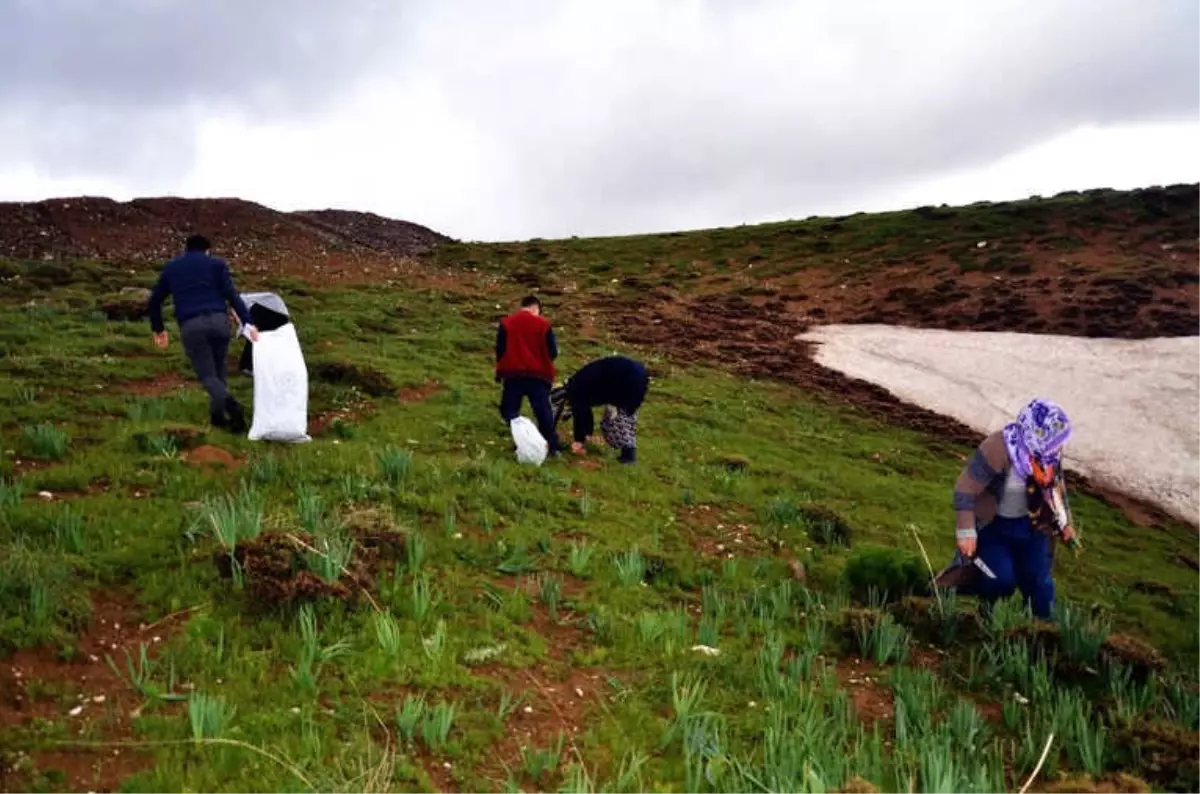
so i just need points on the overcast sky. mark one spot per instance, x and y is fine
(490, 119)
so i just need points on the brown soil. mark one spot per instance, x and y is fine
(40, 684)
(322, 247)
(275, 568)
(157, 386)
(211, 457)
(719, 533)
(416, 394)
(869, 691)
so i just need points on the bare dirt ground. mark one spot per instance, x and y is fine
(1133, 402)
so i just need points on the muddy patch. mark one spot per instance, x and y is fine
(282, 567)
(367, 379)
(211, 457)
(80, 690)
(416, 394)
(158, 386)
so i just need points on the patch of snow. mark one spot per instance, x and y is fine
(1133, 403)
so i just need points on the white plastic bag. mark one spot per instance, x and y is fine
(531, 447)
(280, 388)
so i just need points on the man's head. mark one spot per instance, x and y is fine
(531, 304)
(197, 243)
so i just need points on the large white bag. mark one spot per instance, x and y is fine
(531, 447)
(280, 388)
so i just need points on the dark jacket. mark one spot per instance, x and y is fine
(526, 347)
(198, 284)
(615, 380)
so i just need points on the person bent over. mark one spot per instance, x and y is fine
(619, 384)
(1011, 507)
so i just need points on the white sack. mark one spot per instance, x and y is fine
(280, 388)
(531, 447)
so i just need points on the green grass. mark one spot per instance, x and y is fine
(515, 585)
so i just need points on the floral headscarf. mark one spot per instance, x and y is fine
(1036, 439)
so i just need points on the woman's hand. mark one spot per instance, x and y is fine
(578, 449)
(1068, 533)
(967, 546)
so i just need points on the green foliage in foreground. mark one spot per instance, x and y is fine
(540, 626)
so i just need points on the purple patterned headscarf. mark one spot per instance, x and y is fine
(1042, 429)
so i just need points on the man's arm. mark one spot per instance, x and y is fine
(552, 344)
(230, 293)
(501, 342)
(154, 306)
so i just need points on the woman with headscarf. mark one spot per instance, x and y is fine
(617, 382)
(1011, 506)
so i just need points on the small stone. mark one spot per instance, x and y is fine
(46, 495)
(579, 691)
(295, 709)
(981, 244)
(707, 650)
(98, 699)
(528, 709)
(446, 765)
(458, 536)
(75, 712)
(752, 704)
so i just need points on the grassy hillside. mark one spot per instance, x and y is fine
(502, 627)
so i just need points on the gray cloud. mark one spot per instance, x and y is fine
(115, 87)
(596, 117)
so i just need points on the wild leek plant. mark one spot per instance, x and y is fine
(310, 508)
(47, 442)
(686, 694)
(550, 592)
(408, 717)
(68, 531)
(435, 644)
(416, 552)
(540, 763)
(209, 716)
(1131, 698)
(580, 559)
(1082, 635)
(331, 553)
(313, 657)
(234, 518)
(882, 640)
(387, 633)
(436, 725)
(395, 465)
(631, 567)
(10, 496)
(424, 598)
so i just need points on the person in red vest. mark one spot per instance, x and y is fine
(525, 354)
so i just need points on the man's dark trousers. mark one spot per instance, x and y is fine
(538, 393)
(206, 340)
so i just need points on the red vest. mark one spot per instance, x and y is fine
(526, 354)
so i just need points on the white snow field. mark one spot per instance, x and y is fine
(1134, 404)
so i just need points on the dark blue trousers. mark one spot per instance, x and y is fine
(1020, 557)
(538, 393)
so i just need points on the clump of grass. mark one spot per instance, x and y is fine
(266, 470)
(47, 442)
(68, 531)
(1082, 635)
(313, 656)
(395, 465)
(423, 598)
(209, 716)
(550, 592)
(332, 552)
(146, 411)
(162, 445)
(882, 640)
(387, 633)
(436, 725)
(234, 517)
(580, 559)
(415, 552)
(10, 496)
(631, 567)
(409, 716)
(585, 505)
(540, 763)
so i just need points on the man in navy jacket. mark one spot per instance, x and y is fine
(203, 290)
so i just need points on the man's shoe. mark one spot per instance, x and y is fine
(628, 456)
(218, 419)
(237, 416)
